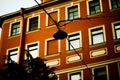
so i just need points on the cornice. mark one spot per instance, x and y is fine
(30, 9)
(101, 63)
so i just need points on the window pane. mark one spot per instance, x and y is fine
(75, 15)
(117, 30)
(15, 29)
(71, 10)
(119, 3)
(33, 24)
(75, 44)
(115, 4)
(34, 53)
(13, 54)
(97, 8)
(74, 40)
(98, 39)
(33, 47)
(97, 31)
(118, 34)
(97, 2)
(33, 50)
(75, 76)
(71, 16)
(94, 7)
(100, 74)
(97, 35)
(92, 12)
(74, 36)
(75, 9)
(14, 58)
(117, 26)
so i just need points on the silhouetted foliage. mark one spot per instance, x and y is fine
(29, 69)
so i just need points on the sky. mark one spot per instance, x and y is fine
(9, 6)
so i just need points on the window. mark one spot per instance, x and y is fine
(74, 41)
(33, 24)
(115, 4)
(33, 50)
(52, 47)
(100, 73)
(117, 30)
(13, 54)
(15, 29)
(54, 15)
(97, 35)
(75, 76)
(73, 12)
(94, 7)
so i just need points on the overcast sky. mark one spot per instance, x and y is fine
(8, 6)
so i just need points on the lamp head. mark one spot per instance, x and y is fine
(60, 34)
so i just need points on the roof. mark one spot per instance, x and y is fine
(30, 9)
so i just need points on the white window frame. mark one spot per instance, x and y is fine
(45, 51)
(73, 72)
(15, 21)
(18, 54)
(107, 73)
(50, 11)
(38, 45)
(80, 36)
(88, 11)
(28, 21)
(113, 29)
(72, 4)
(90, 37)
(110, 6)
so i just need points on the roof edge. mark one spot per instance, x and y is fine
(29, 9)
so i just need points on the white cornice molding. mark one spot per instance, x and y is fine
(106, 62)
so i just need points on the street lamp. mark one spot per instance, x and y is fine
(60, 34)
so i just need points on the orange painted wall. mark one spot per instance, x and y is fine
(78, 25)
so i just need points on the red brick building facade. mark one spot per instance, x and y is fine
(91, 50)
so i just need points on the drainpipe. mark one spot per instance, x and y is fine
(22, 36)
